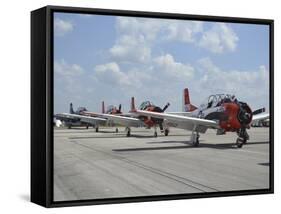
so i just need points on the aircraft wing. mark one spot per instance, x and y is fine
(262, 116)
(122, 120)
(86, 119)
(181, 113)
(180, 121)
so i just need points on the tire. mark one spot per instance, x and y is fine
(196, 143)
(97, 129)
(239, 143)
(87, 127)
(155, 134)
(116, 130)
(128, 133)
(166, 132)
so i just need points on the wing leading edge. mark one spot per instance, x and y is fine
(180, 121)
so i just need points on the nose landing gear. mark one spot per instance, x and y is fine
(166, 132)
(242, 137)
(155, 131)
(128, 130)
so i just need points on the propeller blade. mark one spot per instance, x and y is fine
(166, 106)
(258, 111)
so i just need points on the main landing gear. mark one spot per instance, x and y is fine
(194, 139)
(97, 129)
(242, 137)
(166, 132)
(128, 131)
(116, 130)
(155, 131)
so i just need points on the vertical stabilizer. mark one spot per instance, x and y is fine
(71, 111)
(102, 107)
(187, 106)
(133, 108)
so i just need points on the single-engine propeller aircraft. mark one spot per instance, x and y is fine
(132, 120)
(114, 116)
(79, 118)
(83, 117)
(222, 112)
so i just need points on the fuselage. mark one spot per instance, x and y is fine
(151, 121)
(231, 115)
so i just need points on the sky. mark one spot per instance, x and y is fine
(112, 58)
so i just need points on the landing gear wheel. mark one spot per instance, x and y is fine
(128, 133)
(155, 134)
(69, 127)
(87, 127)
(97, 129)
(242, 137)
(239, 142)
(195, 139)
(166, 132)
(196, 142)
(116, 130)
(128, 130)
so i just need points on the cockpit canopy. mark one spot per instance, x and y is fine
(218, 99)
(145, 104)
(110, 108)
(81, 109)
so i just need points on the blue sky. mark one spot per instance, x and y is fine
(106, 58)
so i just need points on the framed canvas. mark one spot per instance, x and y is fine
(130, 106)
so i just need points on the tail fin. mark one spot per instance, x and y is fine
(120, 108)
(187, 106)
(102, 107)
(71, 111)
(133, 108)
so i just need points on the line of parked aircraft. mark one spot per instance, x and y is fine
(222, 112)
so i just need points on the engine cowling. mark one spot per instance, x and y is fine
(239, 115)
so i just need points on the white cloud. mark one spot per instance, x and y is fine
(68, 80)
(220, 38)
(184, 31)
(170, 67)
(251, 86)
(110, 73)
(64, 69)
(137, 36)
(129, 48)
(61, 27)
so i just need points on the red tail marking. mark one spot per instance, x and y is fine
(186, 96)
(133, 108)
(187, 106)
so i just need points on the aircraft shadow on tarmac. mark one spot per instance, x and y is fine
(264, 164)
(188, 145)
(122, 135)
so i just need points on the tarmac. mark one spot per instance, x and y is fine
(90, 165)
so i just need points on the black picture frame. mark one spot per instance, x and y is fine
(42, 104)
